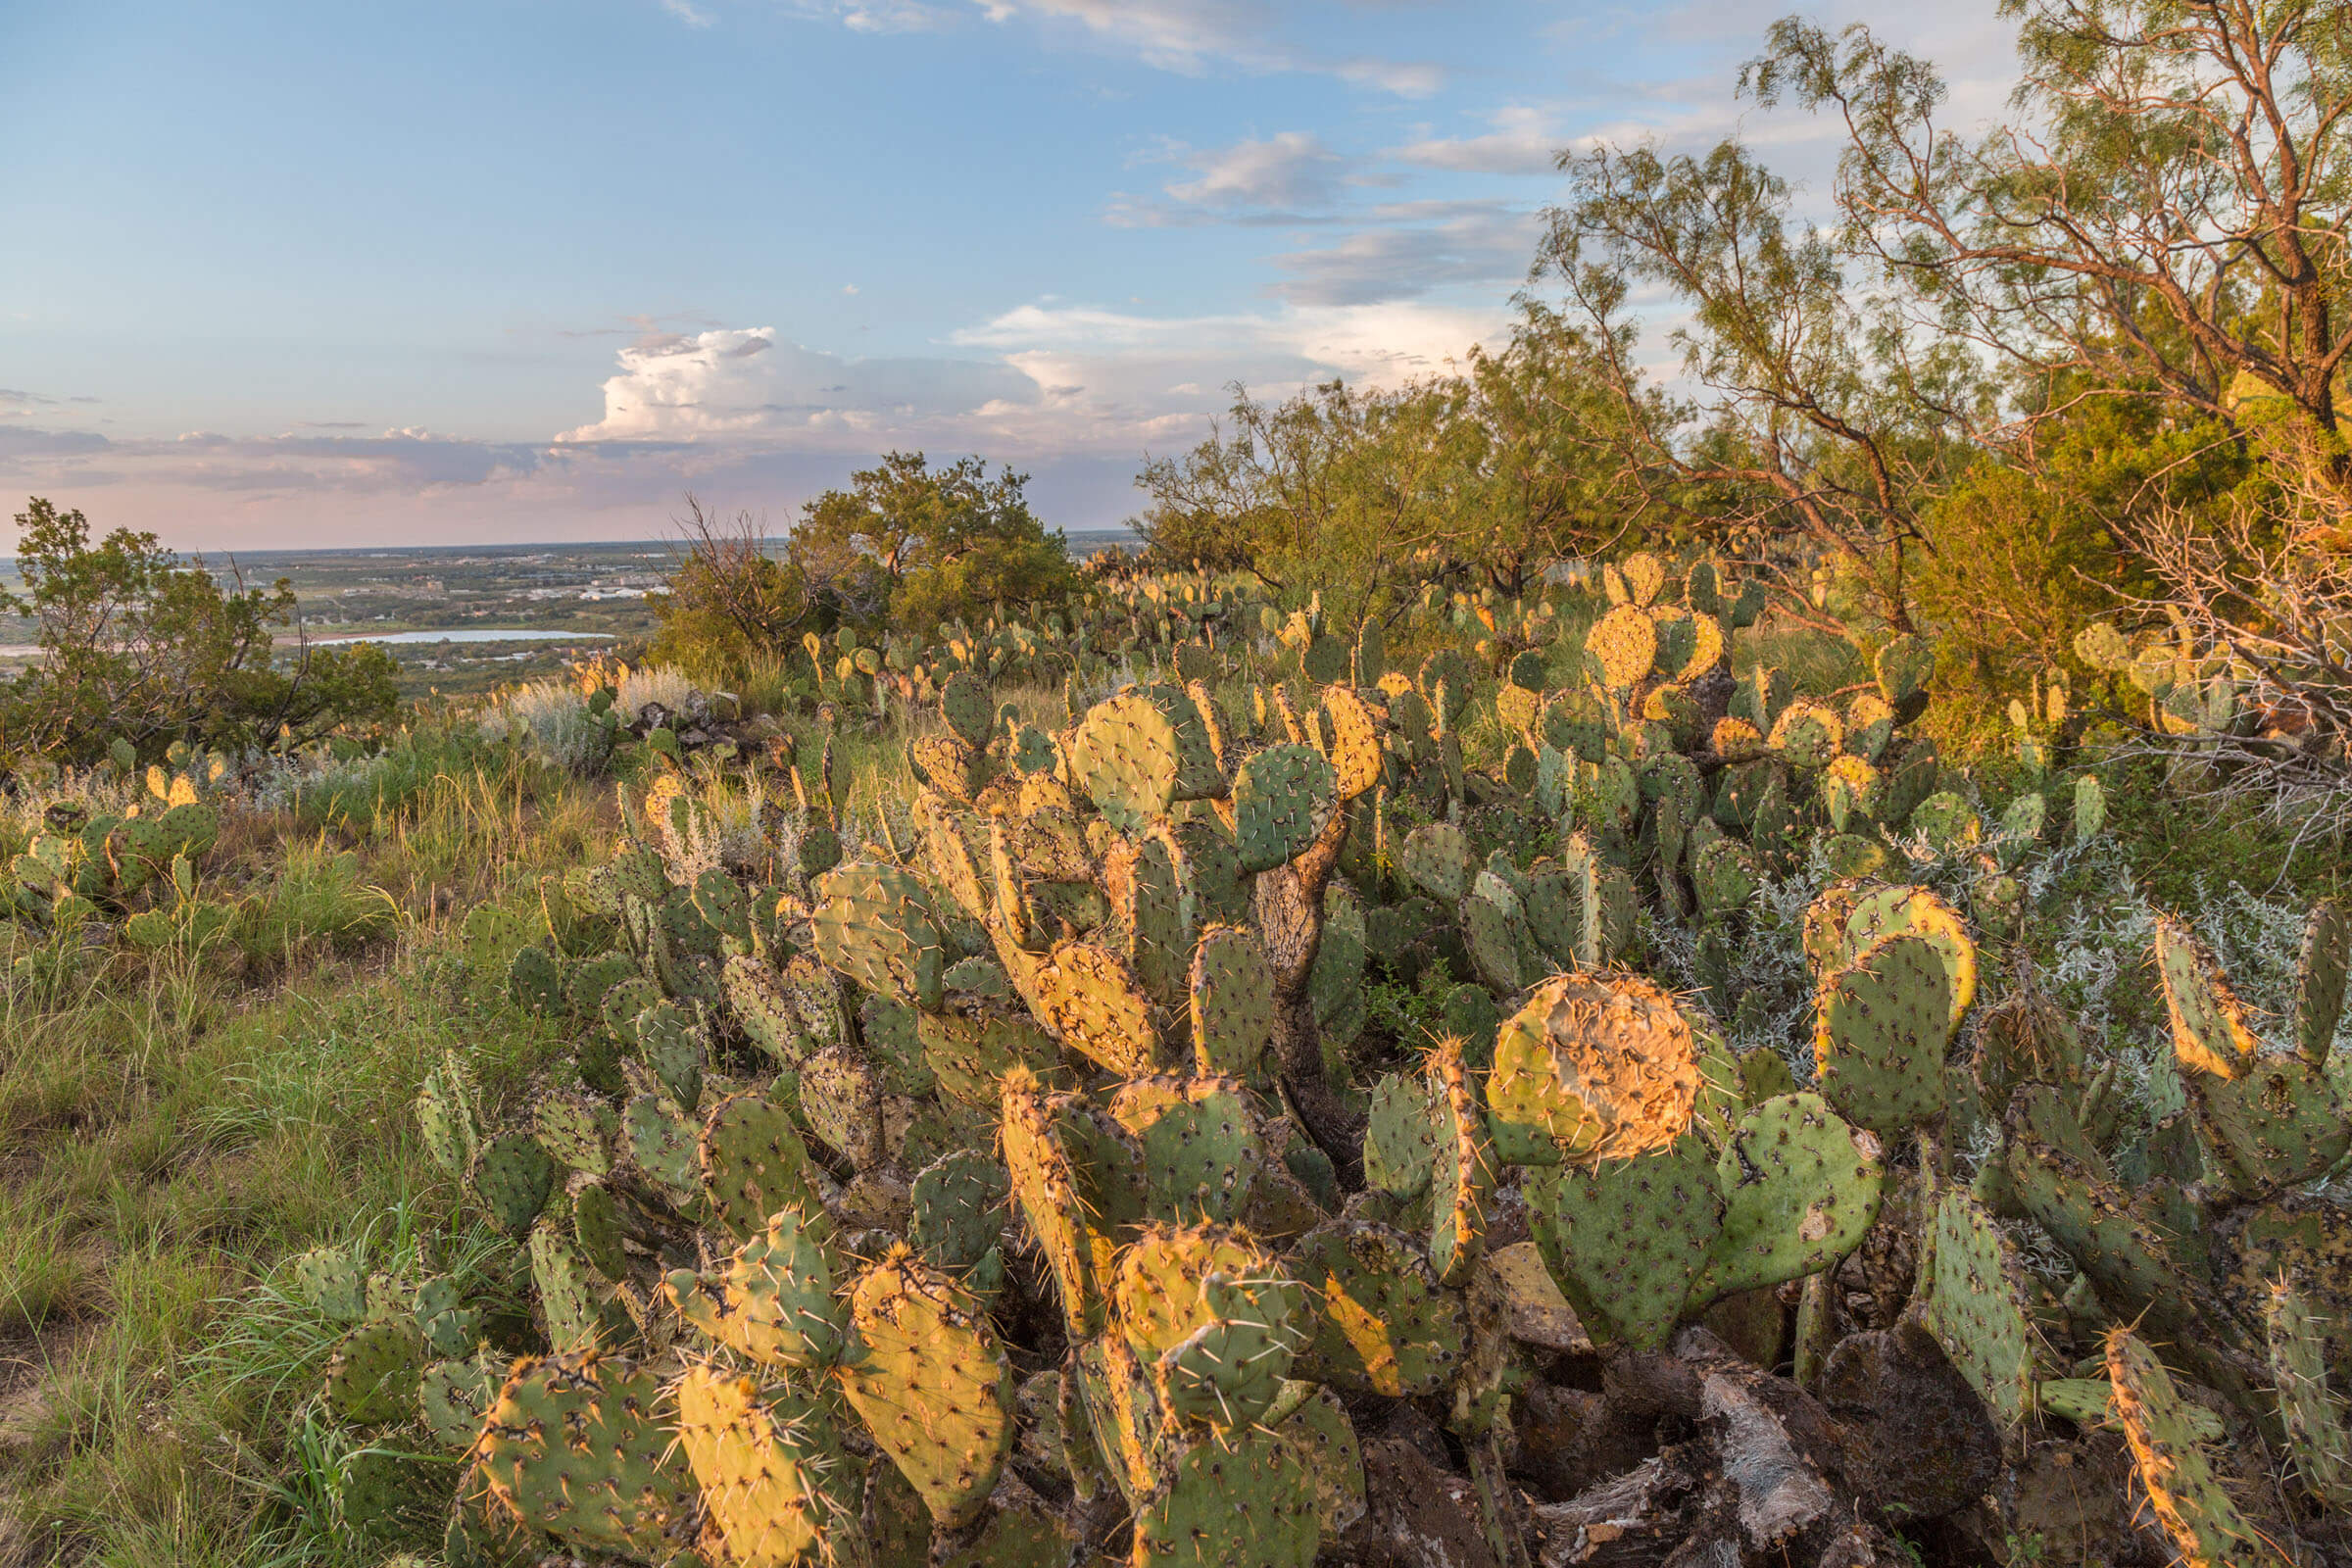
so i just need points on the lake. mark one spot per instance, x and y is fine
(467, 634)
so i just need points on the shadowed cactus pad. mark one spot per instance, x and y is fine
(2209, 1023)
(1593, 1067)
(1245, 1501)
(374, 1374)
(1799, 1189)
(931, 1383)
(1232, 996)
(1979, 1307)
(1462, 1171)
(1382, 1323)
(752, 1163)
(1625, 1238)
(1880, 1028)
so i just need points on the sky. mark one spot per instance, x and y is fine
(305, 276)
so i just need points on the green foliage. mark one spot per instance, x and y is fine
(138, 646)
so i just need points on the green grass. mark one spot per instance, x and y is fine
(177, 1126)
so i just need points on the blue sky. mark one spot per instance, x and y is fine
(282, 274)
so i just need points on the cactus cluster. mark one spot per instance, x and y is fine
(1011, 1191)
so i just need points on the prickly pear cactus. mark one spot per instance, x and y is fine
(931, 1383)
(1592, 1068)
(2187, 1498)
(575, 1445)
(1382, 1323)
(1247, 1502)
(1881, 1026)
(1799, 1188)
(1624, 1238)
(1981, 1306)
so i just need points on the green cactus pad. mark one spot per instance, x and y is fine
(1592, 1068)
(1436, 858)
(2125, 1256)
(446, 1116)
(2279, 1122)
(2319, 968)
(1053, 1187)
(1400, 1139)
(512, 1176)
(386, 1494)
(1230, 1501)
(774, 1299)
(841, 1095)
(1904, 666)
(1979, 1307)
(455, 1394)
(932, 1384)
(1725, 877)
(373, 1373)
(1283, 799)
(1227, 1373)
(873, 924)
(1876, 914)
(1799, 1188)
(1625, 1239)
(1153, 895)
(969, 1047)
(662, 1144)
(576, 1130)
(1311, 1419)
(2188, 1500)
(673, 1044)
(968, 709)
(573, 1445)
(534, 981)
(575, 1300)
(958, 1213)
(2311, 1411)
(441, 1315)
(1381, 1322)
(1880, 1029)
(751, 1163)
(331, 1281)
(1202, 1151)
(758, 997)
(1231, 995)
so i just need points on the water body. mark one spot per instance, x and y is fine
(466, 634)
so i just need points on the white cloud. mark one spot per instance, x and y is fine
(1187, 37)
(688, 13)
(1486, 243)
(1292, 170)
(1524, 140)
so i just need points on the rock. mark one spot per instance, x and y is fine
(1918, 1442)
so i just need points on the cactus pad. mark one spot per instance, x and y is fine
(1593, 1067)
(1799, 1188)
(1244, 1501)
(512, 1176)
(1382, 1323)
(1462, 1172)
(752, 1163)
(873, 924)
(1624, 1238)
(1283, 799)
(758, 1474)
(2209, 1024)
(572, 1446)
(373, 1373)
(931, 1383)
(1201, 1153)
(773, 1301)
(1880, 1028)
(1231, 995)
(2204, 1525)
(1980, 1306)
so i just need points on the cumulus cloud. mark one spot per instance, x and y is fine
(1469, 243)
(748, 382)
(1524, 140)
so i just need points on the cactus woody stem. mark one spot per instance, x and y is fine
(1289, 916)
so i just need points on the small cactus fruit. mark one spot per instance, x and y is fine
(2312, 1412)
(1232, 993)
(1283, 799)
(2209, 1024)
(1462, 1174)
(1202, 1151)
(775, 1300)
(1230, 1501)
(2205, 1526)
(931, 1383)
(373, 1373)
(1880, 1028)
(1874, 914)
(1593, 1067)
(1401, 1136)
(757, 1469)
(1624, 1238)
(512, 1176)
(1980, 1306)
(873, 924)
(752, 1163)
(1799, 1189)
(2320, 977)
(1381, 1322)
(572, 1446)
